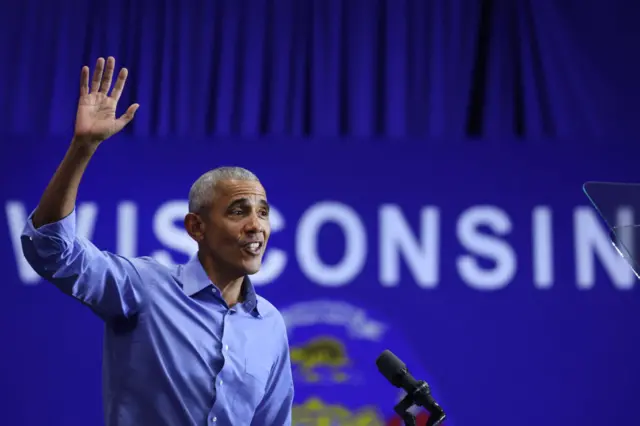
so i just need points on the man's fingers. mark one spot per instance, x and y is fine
(107, 77)
(84, 81)
(97, 75)
(119, 86)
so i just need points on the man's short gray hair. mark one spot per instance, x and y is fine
(201, 191)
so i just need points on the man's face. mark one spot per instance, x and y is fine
(236, 226)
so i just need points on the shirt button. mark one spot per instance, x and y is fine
(214, 419)
(226, 347)
(220, 381)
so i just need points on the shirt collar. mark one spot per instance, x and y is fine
(195, 279)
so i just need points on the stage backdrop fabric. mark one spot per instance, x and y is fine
(482, 266)
(363, 68)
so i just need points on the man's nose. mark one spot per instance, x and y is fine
(254, 224)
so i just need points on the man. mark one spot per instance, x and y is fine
(185, 345)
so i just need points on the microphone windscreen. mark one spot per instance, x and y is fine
(391, 367)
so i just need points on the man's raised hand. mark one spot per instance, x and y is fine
(96, 117)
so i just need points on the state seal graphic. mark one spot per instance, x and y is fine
(334, 345)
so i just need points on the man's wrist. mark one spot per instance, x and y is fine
(82, 148)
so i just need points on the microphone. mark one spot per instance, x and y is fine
(418, 392)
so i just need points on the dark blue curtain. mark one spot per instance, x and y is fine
(363, 68)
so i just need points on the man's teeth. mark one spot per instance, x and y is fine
(253, 246)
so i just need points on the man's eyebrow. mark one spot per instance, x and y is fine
(245, 201)
(239, 202)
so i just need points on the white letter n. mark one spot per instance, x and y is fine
(396, 239)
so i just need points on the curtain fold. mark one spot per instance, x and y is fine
(360, 68)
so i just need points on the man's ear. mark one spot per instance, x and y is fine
(194, 226)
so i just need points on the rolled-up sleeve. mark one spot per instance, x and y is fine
(110, 284)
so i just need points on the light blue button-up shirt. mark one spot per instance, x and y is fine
(174, 353)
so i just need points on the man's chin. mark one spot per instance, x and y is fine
(251, 267)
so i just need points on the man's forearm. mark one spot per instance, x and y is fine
(59, 199)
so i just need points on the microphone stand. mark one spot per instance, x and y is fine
(402, 409)
(421, 397)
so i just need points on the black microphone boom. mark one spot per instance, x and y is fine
(418, 392)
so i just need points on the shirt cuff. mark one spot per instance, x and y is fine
(64, 229)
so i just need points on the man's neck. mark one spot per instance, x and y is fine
(229, 284)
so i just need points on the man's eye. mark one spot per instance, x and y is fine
(236, 212)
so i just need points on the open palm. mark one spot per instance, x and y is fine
(96, 117)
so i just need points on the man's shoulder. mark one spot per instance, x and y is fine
(268, 310)
(147, 265)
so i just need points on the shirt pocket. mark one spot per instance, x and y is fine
(252, 386)
(258, 368)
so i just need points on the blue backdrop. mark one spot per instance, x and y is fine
(498, 286)
(424, 160)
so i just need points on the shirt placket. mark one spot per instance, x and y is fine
(214, 418)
